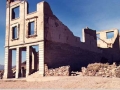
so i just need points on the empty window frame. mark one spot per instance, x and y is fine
(15, 12)
(110, 34)
(31, 28)
(31, 7)
(98, 36)
(14, 32)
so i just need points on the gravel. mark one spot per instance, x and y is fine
(69, 82)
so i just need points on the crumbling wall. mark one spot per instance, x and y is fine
(56, 31)
(58, 54)
(63, 48)
(89, 37)
(108, 42)
(109, 45)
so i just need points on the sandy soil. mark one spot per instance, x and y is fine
(73, 82)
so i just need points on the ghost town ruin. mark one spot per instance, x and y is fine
(58, 47)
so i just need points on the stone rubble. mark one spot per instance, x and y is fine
(99, 69)
(61, 71)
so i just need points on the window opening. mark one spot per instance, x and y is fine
(31, 28)
(98, 36)
(15, 12)
(14, 32)
(110, 35)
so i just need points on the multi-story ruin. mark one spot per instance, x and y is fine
(57, 44)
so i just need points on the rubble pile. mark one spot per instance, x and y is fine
(99, 69)
(61, 71)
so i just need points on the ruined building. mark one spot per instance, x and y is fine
(57, 44)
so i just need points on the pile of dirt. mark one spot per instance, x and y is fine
(99, 69)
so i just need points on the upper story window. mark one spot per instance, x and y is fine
(110, 34)
(14, 33)
(31, 28)
(16, 12)
(98, 36)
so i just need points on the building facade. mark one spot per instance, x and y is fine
(57, 44)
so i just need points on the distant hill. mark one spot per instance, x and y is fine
(1, 67)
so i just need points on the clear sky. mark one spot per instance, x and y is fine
(76, 14)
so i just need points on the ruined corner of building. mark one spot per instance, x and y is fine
(58, 48)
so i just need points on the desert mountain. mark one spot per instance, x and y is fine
(1, 67)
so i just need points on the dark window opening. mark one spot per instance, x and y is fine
(110, 35)
(31, 28)
(15, 12)
(14, 33)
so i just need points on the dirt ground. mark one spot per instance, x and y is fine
(71, 82)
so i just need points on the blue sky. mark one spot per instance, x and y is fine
(76, 14)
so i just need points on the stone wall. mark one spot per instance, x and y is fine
(89, 37)
(58, 54)
(63, 48)
(56, 31)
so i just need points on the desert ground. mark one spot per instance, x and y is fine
(65, 82)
